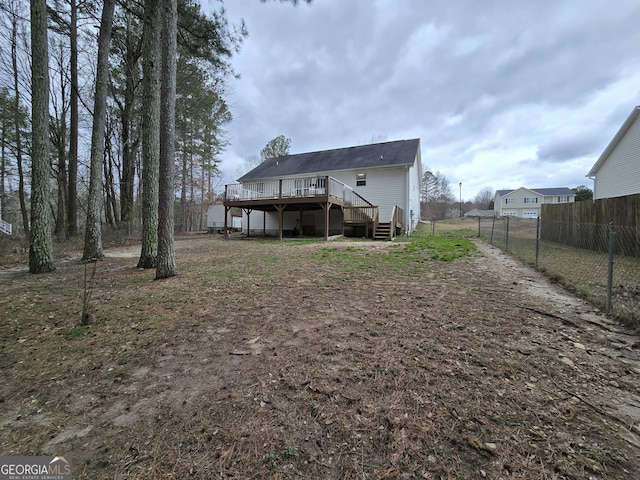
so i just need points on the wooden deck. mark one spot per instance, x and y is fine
(304, 193)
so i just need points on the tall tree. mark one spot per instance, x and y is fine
(483, 199)
(126, 78)
(58, 135)
(150, 134)
(40, 241)
(13, 11)
(93, 228)
(201, 114)
(166, 266)
(72, 183)
(276, 147)
(64, 17)
(9, 141)
(436, 195)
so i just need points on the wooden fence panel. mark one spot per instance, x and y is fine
(585, 224)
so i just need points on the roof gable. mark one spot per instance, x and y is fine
(376, 155)
(615, 140)
(539, 191)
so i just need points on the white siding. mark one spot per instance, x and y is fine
(415, 177)
(385, 187)
(619, 175)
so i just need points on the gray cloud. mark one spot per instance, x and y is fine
(502, 94)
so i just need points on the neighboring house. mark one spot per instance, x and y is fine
(617, 171)
(527, 202)
(368, 190)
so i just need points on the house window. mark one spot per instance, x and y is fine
(564, 199)
(531, 200)
(361, 179)
(508, 200)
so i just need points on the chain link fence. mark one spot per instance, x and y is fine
(598, 262)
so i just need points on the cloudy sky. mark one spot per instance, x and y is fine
(501, 93)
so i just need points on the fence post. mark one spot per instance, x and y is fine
(479, 227)
(537, 240)
(506, 237)
(612, 248)
(493, 226)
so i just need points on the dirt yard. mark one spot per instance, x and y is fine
(316, 360)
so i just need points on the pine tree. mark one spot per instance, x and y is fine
(40, 241)
(166, 266)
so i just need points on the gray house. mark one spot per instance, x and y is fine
(368, 190)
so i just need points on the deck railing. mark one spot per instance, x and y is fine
(360, 210)
(356, 208)
(298, 187)
(397, 218)
(5, 227)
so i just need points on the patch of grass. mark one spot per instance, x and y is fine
(290, 452)
(76, 332)
(421, 247)
(346, 259)
(287, 453)
(271, 458)
(157, 318)
(498, 419)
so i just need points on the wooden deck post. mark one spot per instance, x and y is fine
(248, 212)
(280, 209)
(226, 229)
(327, 209)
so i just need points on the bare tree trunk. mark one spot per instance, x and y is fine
(40, 242)
(129, 143)
(183, 194)
(192, 180)
(150, 134)
(166, 254)
(3, 157)
(19, 160)
(93, 229)
(111, 207)
(59, 138)
(110, 187)
(72, 184)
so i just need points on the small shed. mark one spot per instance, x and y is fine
(215, 219)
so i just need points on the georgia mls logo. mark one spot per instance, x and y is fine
(35, 468)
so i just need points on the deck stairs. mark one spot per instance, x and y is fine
(5, 227)
(383, 232)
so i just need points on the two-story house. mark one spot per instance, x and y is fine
(366, 190)
(527, 202)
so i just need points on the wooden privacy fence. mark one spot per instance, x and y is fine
(623, 211)
(586, 224)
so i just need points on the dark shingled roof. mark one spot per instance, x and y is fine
(387, 154)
